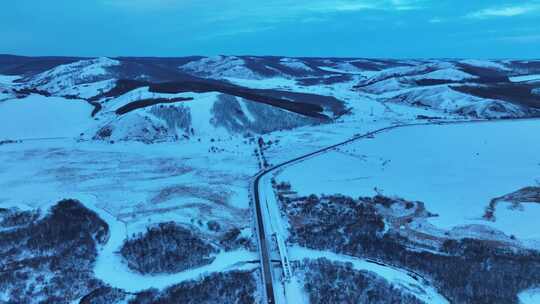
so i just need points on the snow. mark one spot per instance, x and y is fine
(295, 64)
(124, 184)
(524, 78)
(268, 83)
(88, 90)
(345, 68)
(447, 74)
(485, 64)
(220, 67)
(455, 169)
(295, 292)
(38, 116)
(394, 276)
(111, 269)
(140, 184)
(68, 75)
(531, 296)
(246, 111)
(8, 79)
(444, 99)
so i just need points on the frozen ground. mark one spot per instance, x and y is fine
(133, 185)
(531, 296)
(367, 115)
(38, 116)
(139, 184)
(455, 169)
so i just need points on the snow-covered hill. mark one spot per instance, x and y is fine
(223, 96)
(73, 77)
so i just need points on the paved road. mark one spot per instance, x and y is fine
(265, 239)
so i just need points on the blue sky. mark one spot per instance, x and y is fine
(344, 28)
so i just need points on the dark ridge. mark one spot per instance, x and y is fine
(301, 103)
(526, 66)
(27, 66)
(335, 105)
(512, 92)
(377, 64)
(143, 103)
(430, 82)
(262, 96)
(28, 91)
(151, 69)
(165, 62)
(487, 74)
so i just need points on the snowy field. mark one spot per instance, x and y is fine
(38, 116)
(455, 169)
(367, 115)
(138, 183)
(531, 296)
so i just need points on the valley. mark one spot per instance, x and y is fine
(285, 173)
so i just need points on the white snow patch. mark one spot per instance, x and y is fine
(485, 64)
(531, 296)
(524, 78)
(447, 74)
(220, 67)
(68, 75)
(8, 79)
(38, 116)
(295, 64)
(245, 110)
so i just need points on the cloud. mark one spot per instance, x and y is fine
(506, 11)
(239, 17)
(521, 38)
(152, 5)
(280, 6)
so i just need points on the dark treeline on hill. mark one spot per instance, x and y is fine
(49, 259)
(224, 287)
(327, 282)
(302, 103)
(167, 248)
(143, 103)
(465, 271)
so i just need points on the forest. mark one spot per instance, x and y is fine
(463, 270)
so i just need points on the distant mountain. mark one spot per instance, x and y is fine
(148, 99)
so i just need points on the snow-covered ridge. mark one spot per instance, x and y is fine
(294, 63)
(447, 74)
(525, 78)
(220, 67)
(485, 64)
(69, 75)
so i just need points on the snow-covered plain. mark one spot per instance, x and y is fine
(531, 296)
(165, 181)
(455, 169)
(38, 116)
